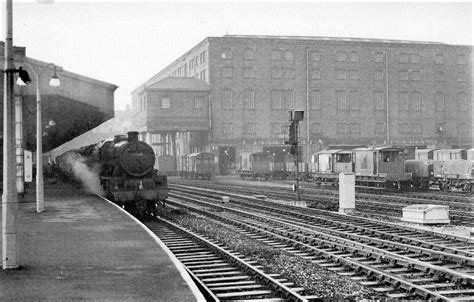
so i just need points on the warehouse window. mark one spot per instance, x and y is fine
(403, 128)
(461, 99)
(416, 128)
(249, 128)
(287, 99)
(354, 56)
(341, 56)
(227, 72)
(379, 75)
(403, 75)
(226, 53)
(343, 129)
(249, 73)
(415, 58)
(461, 59)
(202, 75)
(289, 73)
(403, 100)
(379, 57)
(355, 129)
(226, 99)
(276, 128)
(415, 75)
(379, 102)
(315, 55)
(315, 99)
(276, 73)
(416, 101)
(340, 74)
(276, 99)
(461, 76)
(249, 99)
(353, 74)
(198, 102)
(439, 58)
(276, 55)
(403, 58)
(315, 74)
(227, 128)
(166, 103)
(249, 54)
(354, 100)
(439, 99)
(439, 76)
(289, 55)
(341, 100)
(202, 57)
(379, 128)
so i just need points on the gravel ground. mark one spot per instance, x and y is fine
(456, 230)
(318, 281)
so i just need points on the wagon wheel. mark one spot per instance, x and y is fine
(445, 186)
(467, 187)
(425, 185)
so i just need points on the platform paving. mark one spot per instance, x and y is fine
(83, 248)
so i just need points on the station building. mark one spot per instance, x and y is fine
(79, 104)
(355, 92)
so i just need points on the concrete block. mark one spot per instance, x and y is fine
(426, 214)
(346, 192)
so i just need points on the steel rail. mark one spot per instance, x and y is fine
(338, 217)
(410, 288)
(285, 291)
(397, 259)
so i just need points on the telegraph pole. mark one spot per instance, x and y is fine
(10, 196)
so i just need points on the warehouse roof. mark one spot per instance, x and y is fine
(319, 38)
(190, 84)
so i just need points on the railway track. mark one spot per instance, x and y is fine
(401, 262)
(461, 212)
(223, 275)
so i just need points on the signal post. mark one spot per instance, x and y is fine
(296, 116)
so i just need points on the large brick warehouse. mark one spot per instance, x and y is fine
(233, 94)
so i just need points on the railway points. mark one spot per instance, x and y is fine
(84, 248)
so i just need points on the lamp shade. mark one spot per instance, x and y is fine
(23, 77)
(54, 79)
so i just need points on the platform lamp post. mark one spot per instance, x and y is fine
(39, 129)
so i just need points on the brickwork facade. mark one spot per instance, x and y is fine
(353, 91)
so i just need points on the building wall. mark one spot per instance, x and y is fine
(183, 111)
(354, 91)
(352, 85)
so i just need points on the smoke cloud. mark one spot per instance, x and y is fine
(87, 175)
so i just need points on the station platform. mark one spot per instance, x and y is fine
(84, 248)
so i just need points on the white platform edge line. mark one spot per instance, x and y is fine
(197, 293)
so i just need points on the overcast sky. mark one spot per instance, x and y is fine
(126, 43)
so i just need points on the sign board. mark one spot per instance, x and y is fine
(28, 166)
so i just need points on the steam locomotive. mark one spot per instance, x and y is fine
(125, 169)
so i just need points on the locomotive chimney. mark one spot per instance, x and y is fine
(132, 136)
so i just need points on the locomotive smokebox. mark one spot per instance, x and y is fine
(133, 136)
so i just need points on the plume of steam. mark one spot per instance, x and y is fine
(88, 175)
